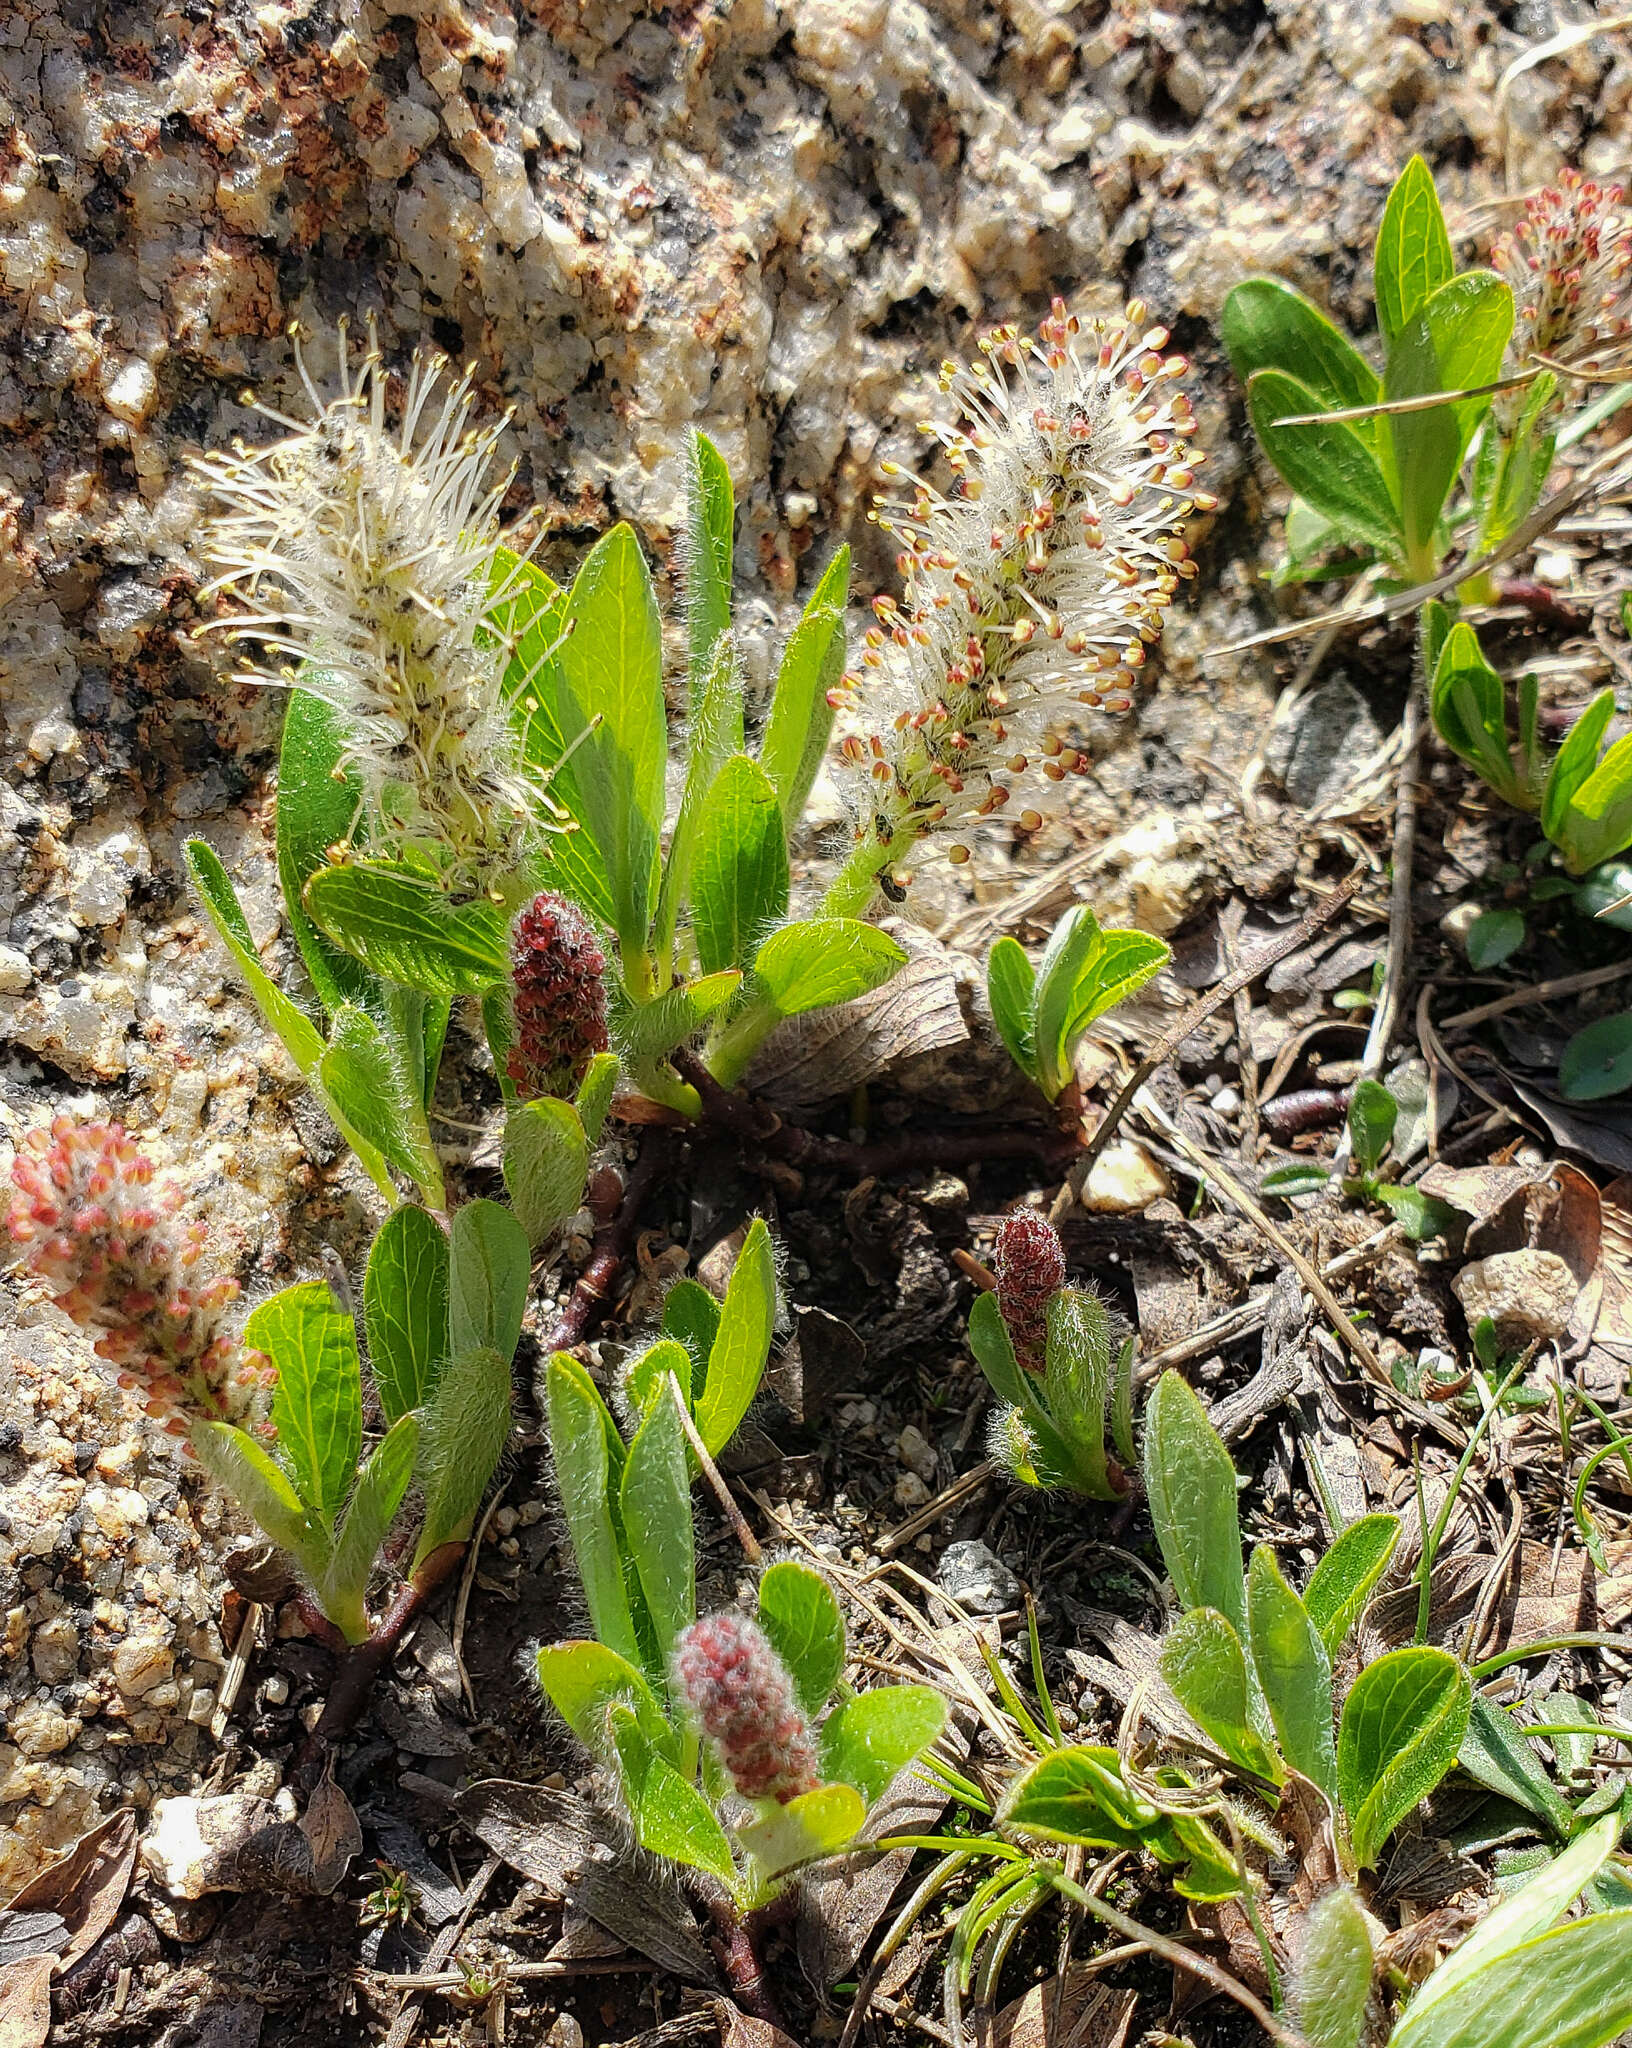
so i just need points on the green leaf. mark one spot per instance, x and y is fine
(317, 808)
(1294, 1671)
(1602, 894)
(691, 1315)
(489, 1274)
(824, 960)
(1206, 1670)
(1573, 764)
(713, 733)
(582, 1440)
(609, 677)
(645, 1377)
(671, 1818)
(465, 1427)
(317, 1402)
(1373, 1113)
(1077, 1386)
(1077, 1794)
(1454, 342)
(736, 1360)
(1494, 1754)
(1190, 1483)
(1403, 1723)
(1522, 1916)
(1420, 1216)
(649, 1030)
(406, 929)
(711, 517)
(655, 1504)
(1469, 707)
(1310, 539)
(796, 732)
(1267, 325)
(1494, 936)
(301, 1037)
(583, 1681)
(873, 1736)
(405, 1309)
(818, 1823)
(1598, 822)
(546, 1159)
(801, 1618)
(1085, 971)
(1287, 1181)
(1413, 254)
(1052, 1461)
(1597, 1061)
(1011, 990)
(370, 1087)
(529, 613)
(595, 1092)
(1341, 1582)
(1332, 1987)
(1570, 1988)
(1329, 464)
(739, 880)
(367, 1522)
(236, 1462)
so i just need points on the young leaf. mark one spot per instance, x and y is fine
(1598, 822)
(367, 1521)
(490, 1269)
(1597, 1061)
(546, 1158)
(1011, 990)
(801, 1618)
(801, 718)
(584, 1680)
(1494, 936)
(874, 1735)
(1329, 465)
(655, 1505)
(1294, 1671)
(405, 928)
(1522, 1916)
(1190, 1483)
(462, 1437)
(1084, 972)
(1403, 1723)
(366, 1080)
(301, 1037)
(317, 1401)
(1051, 1460)
(691, 1316)
(595, 1092)
(671, 1818)
(1494, 1754)
(1287, 1181)
(235, 1461)
(1206, 1670)
(1569, 1988)
(739, 878)
(1077, 1385)
(1469, 707)
(1332, 1987)
(736, 1360)
(1267, 325)
(609, 706)
(405, 1309)
(1453, 342)
(1417, 1214)
(647, 1376)
(582, 1440)
(818, 1823)
(1078, 1794)
(824, 960)
(711, 517)
(649, 1030)
(1373, 1113)
(713, 734)
(317, 808)
(1341, 1582)
(1572, 764)
(1413, 254)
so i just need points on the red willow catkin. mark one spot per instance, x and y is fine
(1030, 1267)
(558, 990)
(738, 1691)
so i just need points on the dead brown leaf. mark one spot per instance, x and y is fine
(738, 2030)
(1305, 1819)
(25, 2002)
(840, 1906)
(1615, 1265)
(1072, 2011)
(86, 1887)
(330, 1825)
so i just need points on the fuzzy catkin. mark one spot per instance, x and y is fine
(738, 1691)
(1030, 1267)
(1569, 263)
(558, 995)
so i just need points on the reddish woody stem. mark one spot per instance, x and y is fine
(736, 1945)
(613, 1241)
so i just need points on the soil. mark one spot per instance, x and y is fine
(773, 223)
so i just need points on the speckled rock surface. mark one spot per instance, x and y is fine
(771, 221)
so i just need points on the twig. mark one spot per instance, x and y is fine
(405, 2024)
(716, 1479)
(1200, 1010)
(1537, 992)
(965, 1484)
(1230, 924)
(517, 1973)
(467, 1579)
(1386, 1015)
(612, 1244)
(233, 1677)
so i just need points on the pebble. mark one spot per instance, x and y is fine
(1124, 1179)
(910, 1491)
(275, 1691)
(56, 1650)
(41, 1728)
(977, 1578)
(1525, 1293)
(141, 1664)
(916, 1452)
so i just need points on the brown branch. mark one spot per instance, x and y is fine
(614, 1240)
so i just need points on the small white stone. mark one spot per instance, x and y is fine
(15, 972)
(910, 1491)
(1124, 1178)
(916, 1452)
(1525, 1293)
(133, 393)
(275, 1690)
(201, 1706)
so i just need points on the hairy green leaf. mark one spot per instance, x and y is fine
(317, 1401)
(1011, 990)
(801, 1618)
(583, 1681)
(1268, 325)
(1569, 1988)
(1403, 1723)
(1206, 1670)
(235, 1461)
(367, 1521)
(318, 807)
(671, 1818)
(1191, 1487)
(655, 1504)
(801, 718)
(405, 1309)
(736, 1360)
(404, 928)
(1328, 464)
(463, 1432)
(1294, 1671)
(1332, 1987)
(1413, 256)
(546, 1157)
(489, 1274)
(824, 960)
(1342, 1581)
(588, 1458)
(371, 1086)
(739, 880)
(874, 1735)
(711, 517)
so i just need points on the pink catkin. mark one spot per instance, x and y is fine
(1569, 262)
(99, 1233)
(1030, 1265)
(739, 1693)
(558, 990)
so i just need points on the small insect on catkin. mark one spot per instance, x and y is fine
(558, 993)
(1038, 585)
(738, 1691)
(368, 557)
(1030, 1266)
(99, 1232)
